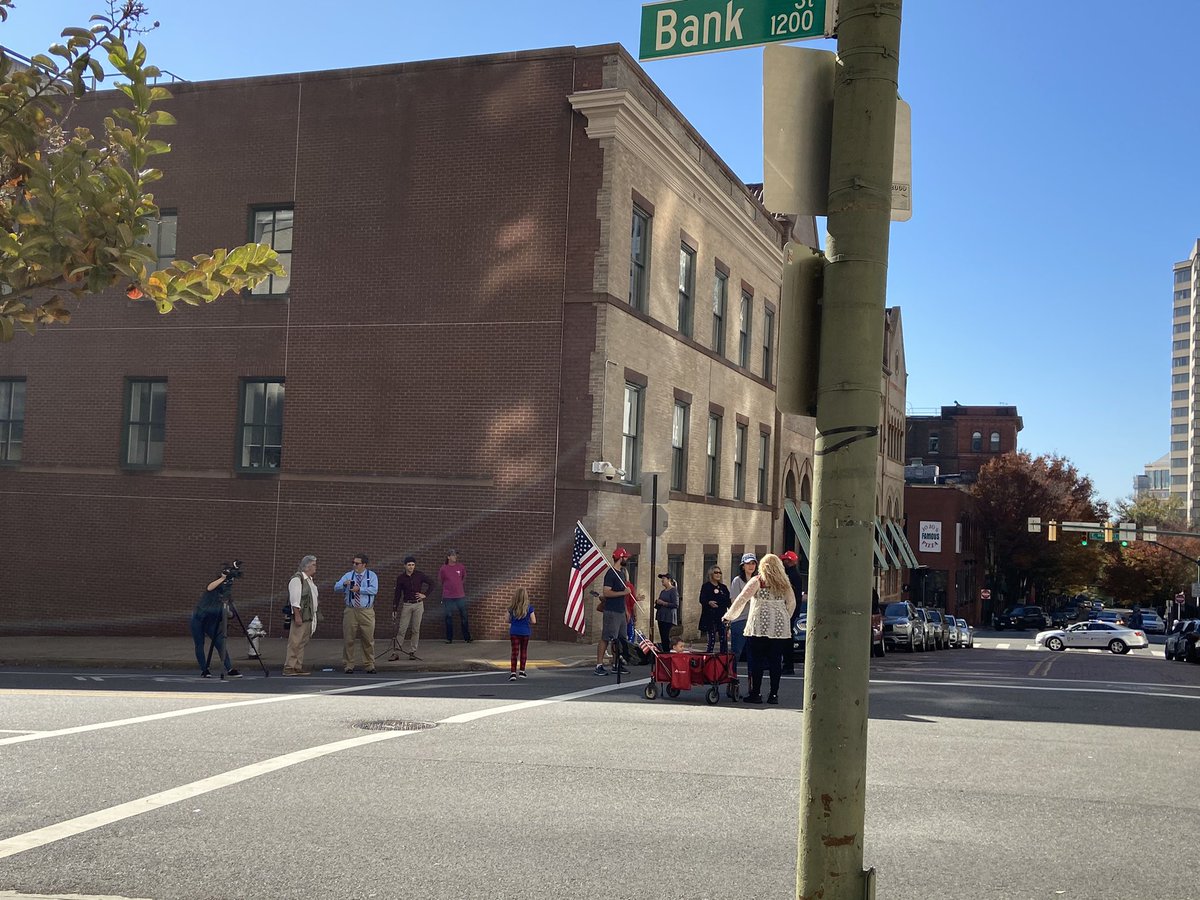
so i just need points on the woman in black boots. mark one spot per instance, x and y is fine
(768, 625)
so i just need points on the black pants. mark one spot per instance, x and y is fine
(766, 653)
(664, 634)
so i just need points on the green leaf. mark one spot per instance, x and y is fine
(82, 33)
(160, 117)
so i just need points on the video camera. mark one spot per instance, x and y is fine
(232, 570)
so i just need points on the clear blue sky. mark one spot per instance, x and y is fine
(1055, 175)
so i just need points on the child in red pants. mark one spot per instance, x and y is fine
(520, 626)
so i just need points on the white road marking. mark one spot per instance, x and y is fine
(15, 731)
(1034, 687)
(1004, 646)
(31, 840)
(13, 895)
(100, 818)
(193, 710)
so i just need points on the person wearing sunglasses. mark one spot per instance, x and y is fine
(714, 600)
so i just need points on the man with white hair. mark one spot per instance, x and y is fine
(302, 597)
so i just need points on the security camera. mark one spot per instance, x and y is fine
(608, 470)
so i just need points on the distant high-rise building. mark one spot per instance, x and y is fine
(1185, 424)
(1156, 480)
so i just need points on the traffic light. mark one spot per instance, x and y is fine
(1083, 541)
(800, 330)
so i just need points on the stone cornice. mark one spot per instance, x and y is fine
(614, 114)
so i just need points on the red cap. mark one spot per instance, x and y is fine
(789, 556)
(620, 553)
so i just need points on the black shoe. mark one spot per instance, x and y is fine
(233, 673)
(773, 699)
(468, 640)
(449, 641)
(752, 698)
(206, 674)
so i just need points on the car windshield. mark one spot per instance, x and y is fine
(962, 623)
(896, 609)
(934, 615)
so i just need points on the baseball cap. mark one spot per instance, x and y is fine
(452, 552)
(789, 556)
(664, 574)
(409, 559)
(748, 557)
(620, 553)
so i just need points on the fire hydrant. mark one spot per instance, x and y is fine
(254, 631)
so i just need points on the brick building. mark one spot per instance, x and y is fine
(945, 453)
(484, 299)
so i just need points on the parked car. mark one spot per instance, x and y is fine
(933, 630)
(966, 634)
(952, 626)
(902, 627)
(1112, 616)
(1094, 635)
(1065, 616)
(1183, 643)
(800, 635)
(1023, 617)
(1148, 621)
(878, 646)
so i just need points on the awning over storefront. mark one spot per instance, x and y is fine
(901, 544)
(801, 520)
(881, 540)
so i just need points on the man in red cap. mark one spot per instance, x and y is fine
(616, 617)
(791, 565)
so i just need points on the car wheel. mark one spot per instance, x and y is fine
(1116, 645)
(911, 647)
(1167, 654)
(1055, 643)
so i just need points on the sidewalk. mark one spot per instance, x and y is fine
(322, 654)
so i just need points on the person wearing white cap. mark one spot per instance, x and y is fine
(737, 627)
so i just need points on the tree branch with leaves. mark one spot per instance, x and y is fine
(75, 207)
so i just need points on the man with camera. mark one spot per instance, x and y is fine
(210, 617)
(360, 585)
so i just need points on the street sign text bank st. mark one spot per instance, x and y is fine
(682, 27)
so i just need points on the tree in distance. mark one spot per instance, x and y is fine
(75, 209)
(1015, 486)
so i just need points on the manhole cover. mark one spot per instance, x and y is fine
(392, 725)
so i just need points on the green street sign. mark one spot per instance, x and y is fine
(685, 27)
(1096, 535)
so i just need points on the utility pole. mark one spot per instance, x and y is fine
(834, 742)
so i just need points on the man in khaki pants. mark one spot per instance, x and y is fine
(360, 585)
(412, 587)
(302, 596)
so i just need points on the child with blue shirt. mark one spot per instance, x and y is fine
(520, 626)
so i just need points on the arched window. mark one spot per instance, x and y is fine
(995, 442)
(976, 441)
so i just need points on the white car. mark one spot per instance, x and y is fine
(1094, 635)
(966, 634)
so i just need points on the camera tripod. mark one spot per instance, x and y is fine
(213, 643)
(396, 648)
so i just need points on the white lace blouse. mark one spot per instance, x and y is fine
(770, 613)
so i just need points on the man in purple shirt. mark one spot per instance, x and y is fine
(452, 577)
(412, 587)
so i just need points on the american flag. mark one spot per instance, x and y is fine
(648, 646)
(586, 563)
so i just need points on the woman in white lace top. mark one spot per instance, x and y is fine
(768, 625)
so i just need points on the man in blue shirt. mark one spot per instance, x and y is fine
(616, 588)
(360, 585)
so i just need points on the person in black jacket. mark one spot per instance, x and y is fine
(791, 565)
(714, 600)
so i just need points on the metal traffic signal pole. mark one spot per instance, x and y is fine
(834, 748)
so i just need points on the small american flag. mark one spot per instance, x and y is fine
(647, 646)
(586, 563)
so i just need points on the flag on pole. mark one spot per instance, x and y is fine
(587, 561)
(647, 646)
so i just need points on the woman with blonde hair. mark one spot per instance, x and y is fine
(771, 601)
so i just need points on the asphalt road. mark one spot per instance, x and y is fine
(992, 774)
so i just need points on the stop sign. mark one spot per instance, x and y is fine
(985, 594)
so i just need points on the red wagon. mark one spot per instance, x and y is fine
(683, 671)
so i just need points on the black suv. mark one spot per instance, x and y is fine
(1022, 617)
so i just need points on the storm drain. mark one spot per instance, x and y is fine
(392, 725)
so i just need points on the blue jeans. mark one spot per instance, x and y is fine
(737, 639)
(449, 607)
(210, 625)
